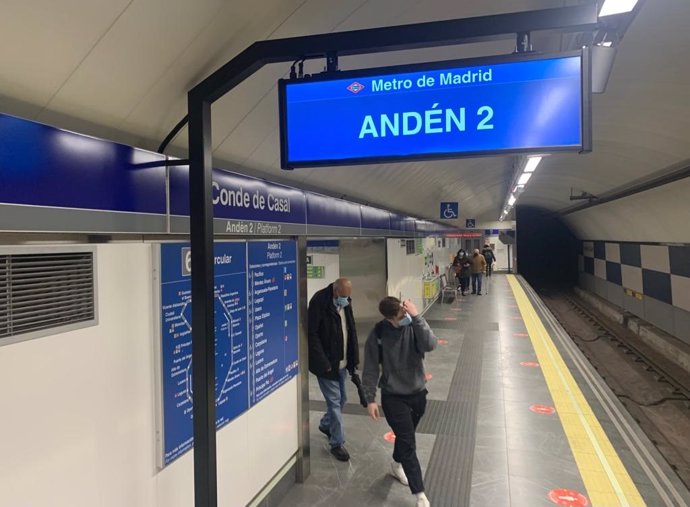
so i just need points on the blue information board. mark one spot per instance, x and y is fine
(272, 315)
(256, 338)
(438, 110)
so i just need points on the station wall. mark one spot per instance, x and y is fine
(635, 252)
(79, 411)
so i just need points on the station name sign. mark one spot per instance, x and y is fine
(440, 110)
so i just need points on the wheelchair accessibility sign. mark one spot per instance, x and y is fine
(449, 210)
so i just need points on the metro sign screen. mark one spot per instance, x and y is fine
(440, 110)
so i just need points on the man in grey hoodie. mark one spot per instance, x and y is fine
(393, 361)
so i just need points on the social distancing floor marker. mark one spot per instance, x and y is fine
(603, 473)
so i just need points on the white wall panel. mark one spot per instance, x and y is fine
(632, 277)
(655, 257)
(331, 263)
(404, 273)
(363, 261)
(613, 252)
(680, 287)
(658, 215)
(600, 268)
(78, 411)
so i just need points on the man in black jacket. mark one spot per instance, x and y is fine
(333, 352)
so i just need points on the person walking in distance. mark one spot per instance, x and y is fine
(393, 360)
(333, 351)
(490, 258)
(478, 267)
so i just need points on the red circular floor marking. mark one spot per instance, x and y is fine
(428, 376)
(521, 334)
(542, 409)
(389, 437)
(530, 364)
(568, 498)
(441, 341)
(450, 318)
(516, 317)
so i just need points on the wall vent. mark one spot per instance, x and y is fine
(42, 291)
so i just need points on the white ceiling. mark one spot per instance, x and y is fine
(120, 69)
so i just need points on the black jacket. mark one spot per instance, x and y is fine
(488, 255)
(325, 334)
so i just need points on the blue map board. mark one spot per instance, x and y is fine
(255, 283)
(272, 315)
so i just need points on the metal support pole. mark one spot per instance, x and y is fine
(303, 466)
(200, 98)
(331, 62)
(523, 43)
(203, 334)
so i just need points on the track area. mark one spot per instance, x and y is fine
(655, 391)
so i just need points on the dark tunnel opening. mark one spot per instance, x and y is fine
(546, 248)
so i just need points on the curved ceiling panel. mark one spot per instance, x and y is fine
(121, 70)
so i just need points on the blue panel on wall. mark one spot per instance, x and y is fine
(402, 223)
(613, 273)
(599, 250)
(679, 257)
(375, 218)
(324, 210)
(230, 300)
(240, 197)
(256, 338)
(45, 166)
(657, 285)
(630, 254)
(589, 265)
(272, 316)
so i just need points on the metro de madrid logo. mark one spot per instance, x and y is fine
(356, 87)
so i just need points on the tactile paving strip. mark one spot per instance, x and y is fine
(448, 478)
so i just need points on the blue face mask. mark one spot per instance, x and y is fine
(405, 321)
(342, 301)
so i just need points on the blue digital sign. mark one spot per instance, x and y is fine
(439, 110)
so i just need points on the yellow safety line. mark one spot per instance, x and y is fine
(604, 475)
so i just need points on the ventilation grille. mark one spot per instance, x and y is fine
(43, 291)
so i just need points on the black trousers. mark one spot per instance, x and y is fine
(403, 414)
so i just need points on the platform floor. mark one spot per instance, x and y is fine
(516, 417)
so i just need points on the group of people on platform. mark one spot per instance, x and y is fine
(393, 361)
(473, 266)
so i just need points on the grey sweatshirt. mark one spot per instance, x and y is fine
(402, 369)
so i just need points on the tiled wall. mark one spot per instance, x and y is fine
(651, 281)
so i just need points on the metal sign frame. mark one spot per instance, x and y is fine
(585, 108)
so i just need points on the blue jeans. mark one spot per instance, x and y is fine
(477, 282)
(334, 394)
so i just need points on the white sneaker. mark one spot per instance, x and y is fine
(398, 472)
(422, 500)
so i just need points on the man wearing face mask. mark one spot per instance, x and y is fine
(393, 360)
(333, 352)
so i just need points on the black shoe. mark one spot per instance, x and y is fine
(474, 292)
(325, 431)
(479, 293)
(340, 453)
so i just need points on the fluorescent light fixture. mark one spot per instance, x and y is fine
(532, 164)
(607, 44)
(511, 200)
(611, 7)
(524, 178)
